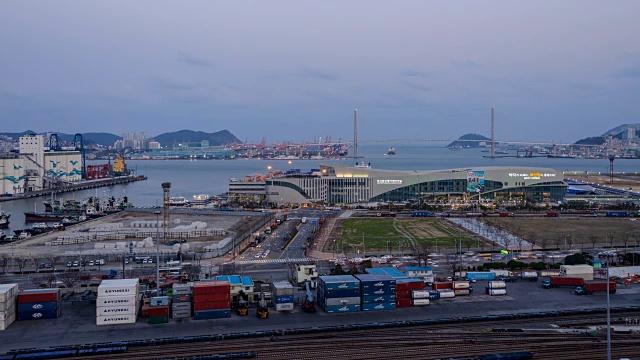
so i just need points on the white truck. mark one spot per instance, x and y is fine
(581, 271)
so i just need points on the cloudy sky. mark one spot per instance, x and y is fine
(295, 70)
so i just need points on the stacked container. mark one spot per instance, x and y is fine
(8, 295)
(496, 288)
(445, 289)
(181, 304)
(159, 310)
(404, 288)
(378, 292)
(117, 302)
(211, 300)
(283, 296)
(39, 304)
(461, 288)
(420, 297)
(339, 293)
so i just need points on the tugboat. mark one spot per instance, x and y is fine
(4, 220)
(392, 151)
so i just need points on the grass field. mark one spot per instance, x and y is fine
(398, 234)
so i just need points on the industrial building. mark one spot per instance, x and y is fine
(335, 184)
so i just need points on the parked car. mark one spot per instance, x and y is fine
(41, 266)
(69, 264)
(91, 263)
(76, 263)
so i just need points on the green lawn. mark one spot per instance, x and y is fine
(381, 233)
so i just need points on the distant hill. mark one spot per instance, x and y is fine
(473, 144)
(620, 128)
(222, 137)
(619, 131)
(594, 140)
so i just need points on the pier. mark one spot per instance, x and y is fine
(83, 185)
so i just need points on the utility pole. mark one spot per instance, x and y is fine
(157, 212)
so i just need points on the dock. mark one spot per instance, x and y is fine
(83, 185)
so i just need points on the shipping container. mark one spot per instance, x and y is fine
(181, 289)
(181, 306)
(282, 288)
(575, 271)
(338, 282)
(529, 275)
(7, 305)
(497, 284)
(403, 294)
(8, 292)
(158, 311)
(379, 306)
(127, 300)
(496, 292)
(379, 299)
(409, 284)
(338, 293)
(434, 295)
(557, 281)
(375, 281)
(404, 303)
(461, 292)
(617, 214)
(211, 305)
(420, 302)
(391, 290)
(598, 286)
(36, 306)
(284, 307)
(117, 310)
(159, 301)
(211, 314)
(420, 294)
(212, 297)
(342, 301)
(181, 298)
(211, 287)
(118, 287)
(283, 299)
(341, 309)
(488, 275)
(38, 315)
(115, 319)
(181, 314)
(447, 294)
(7, 315)
(460, 285)
(51, 296)
(155, 320)
(442, 285)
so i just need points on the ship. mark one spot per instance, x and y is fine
(392, 151)
(74, 211)
(178, 201)
(201, 200)
(4, 220)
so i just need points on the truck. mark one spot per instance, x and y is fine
(583, 271)
(481, 275)
(557, 281)
(595, 286)
(529, 276)
(304, 220)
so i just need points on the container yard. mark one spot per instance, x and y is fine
(117, 302)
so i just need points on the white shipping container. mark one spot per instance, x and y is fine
(497, 285)
(495, 292)
(118, 287)
(282, 288)
(343, 301)
(181, 306)
(9, 305)
(460, 285)
(420, 294)
(181, 314)
(284, 307)
(116, 310)
(460, 292)
(115, 319)
(8, 291)
(4, 315)
(181, 291)
(4, 324)
(447, 294)
(420, 302)
(129, 300)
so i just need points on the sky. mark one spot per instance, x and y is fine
(295, 70)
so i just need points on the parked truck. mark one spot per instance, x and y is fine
(557, 281)
(480, 275)
(529, 276)
(582, 271)
(595, 286)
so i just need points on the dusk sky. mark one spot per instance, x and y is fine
(295, 70)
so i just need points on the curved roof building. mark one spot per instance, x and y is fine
(335, 184)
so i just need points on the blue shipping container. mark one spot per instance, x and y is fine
(378, 299)
(211, 314)
(378, 292)
(50, 305)
(379, 306)
(338, 293)
(488, 275)
(341, 309)
(434, 295)
(284, 299)
(339, 282)
(37, 315)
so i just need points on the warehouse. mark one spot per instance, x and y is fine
(334, 184)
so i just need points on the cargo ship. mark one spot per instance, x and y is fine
(73, 211)
(392, 151)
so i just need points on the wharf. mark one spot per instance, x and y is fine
(84, 185)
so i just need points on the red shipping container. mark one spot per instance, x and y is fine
(404, 302)
(212, 297)
(402, 287)
(212, 305)
(403, 294)
(159, 311)
(38, 297)
(416, 285)
(442, 285)
(145, 311)
(211, 287)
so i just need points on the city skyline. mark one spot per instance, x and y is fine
(288, 71)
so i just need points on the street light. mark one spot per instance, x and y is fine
(157, 212)
(607, 257)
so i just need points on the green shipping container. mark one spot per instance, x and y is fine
(158, 320)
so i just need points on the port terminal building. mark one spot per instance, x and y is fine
(335, 184)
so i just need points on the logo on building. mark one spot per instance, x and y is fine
(388, 182)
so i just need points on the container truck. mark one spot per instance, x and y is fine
(529, 276)
(582, 271)
(483, 275)
(595, 286)
(557, 281)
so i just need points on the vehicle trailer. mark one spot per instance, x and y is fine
(596, 286)
(557, 281)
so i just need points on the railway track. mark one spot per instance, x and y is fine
(460, 341)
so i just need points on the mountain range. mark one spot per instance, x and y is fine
(218, 138)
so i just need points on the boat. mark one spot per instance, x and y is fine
(178, 201)
(32, 216)
(201, 200)
(392, 151)
(4, 220)
(455, 148)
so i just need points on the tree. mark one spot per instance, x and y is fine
(22, 263)
(53, 260)
(575, 259)
(625, 236)
(593, 239)
(611, 238)
(338, 270)
(192, 272)
(4, 262)
(69, 279)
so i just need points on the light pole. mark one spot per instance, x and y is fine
(388, 251)
(607, 257)
(157, 212)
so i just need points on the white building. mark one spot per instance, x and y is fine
(154, 145)
(12, 176)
